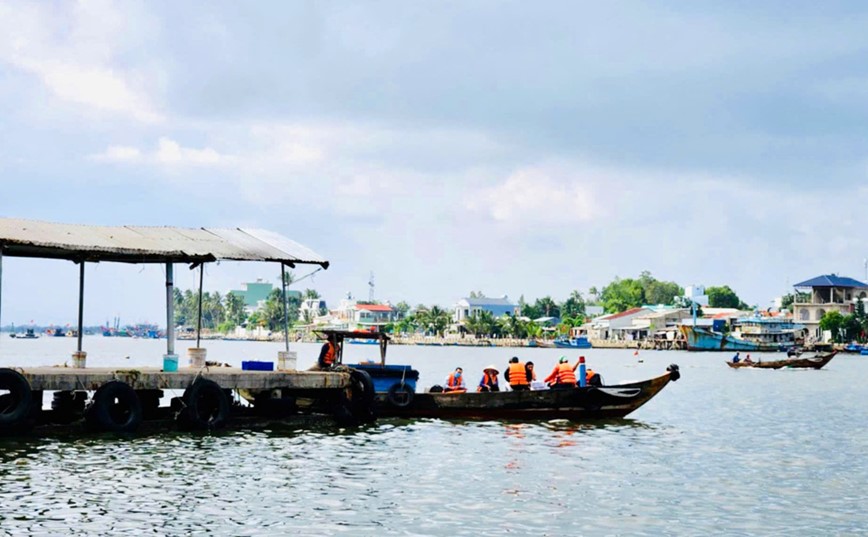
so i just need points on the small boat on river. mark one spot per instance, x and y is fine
(585, 403)
(396, 396)
(812, 362)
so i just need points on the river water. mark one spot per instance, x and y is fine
(721, 451)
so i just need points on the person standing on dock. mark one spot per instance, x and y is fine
(516, 375)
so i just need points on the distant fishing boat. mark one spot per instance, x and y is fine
(813, 362)
(572, 343)
(752, 334)
(29, 334)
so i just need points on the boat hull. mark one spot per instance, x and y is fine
(814, 362)
(578, 404)
(702, 339)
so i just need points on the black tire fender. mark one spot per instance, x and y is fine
(115, 408)
(15, 406)
(674, 373)
(362, 394)
(400, 394)
(206, 405)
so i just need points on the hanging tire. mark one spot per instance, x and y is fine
(115, 408)
(362, 394)
(206, 406)
(400, 394)
(15, 406)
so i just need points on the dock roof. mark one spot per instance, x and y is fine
(143, 244)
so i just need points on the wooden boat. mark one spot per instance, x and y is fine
(812, 362)
(589, 402)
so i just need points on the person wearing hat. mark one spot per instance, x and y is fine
(516, 375)
(489, 380)
(563, 375)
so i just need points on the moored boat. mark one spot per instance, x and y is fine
(811, 362)
(572, 343)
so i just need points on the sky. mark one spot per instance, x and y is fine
(445, 146)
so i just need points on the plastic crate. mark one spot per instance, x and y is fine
(257, 366)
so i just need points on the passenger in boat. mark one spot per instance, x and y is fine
(592, 378)
(489, 380)
(529, 372)
(563, 376)
(736, 359)
(748, 360)
(516, 375)
(328, 353)
(455, 382)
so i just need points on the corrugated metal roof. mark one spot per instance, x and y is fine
(830, 280)
(141, 244)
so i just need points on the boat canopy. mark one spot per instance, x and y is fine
(141, 244)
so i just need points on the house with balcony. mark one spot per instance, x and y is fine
(468, 307)
(368, 316)
(822, 294)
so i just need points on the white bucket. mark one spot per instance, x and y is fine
(287, 360)
(79, 359)
(196, 357)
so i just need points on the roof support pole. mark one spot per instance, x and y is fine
(170, 309)
(285, 307)
(80, 303)
(199, 321)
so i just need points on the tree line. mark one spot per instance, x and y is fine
(222, 313)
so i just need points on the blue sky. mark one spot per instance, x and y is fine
(445, 146)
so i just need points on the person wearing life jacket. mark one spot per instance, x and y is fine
(328, 354)
(529, 372)
(455, 382)
(516, 375)
(592, 378)
(563, 375)
(489, 380)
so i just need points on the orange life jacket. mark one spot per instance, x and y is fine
(589, 374)
(329, 358)
(566, 375)
(487, 380)
(517, 375)
(453, 381)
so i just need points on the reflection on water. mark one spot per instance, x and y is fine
(719, 452)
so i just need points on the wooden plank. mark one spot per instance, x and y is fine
(69, 378)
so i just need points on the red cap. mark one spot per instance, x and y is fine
(581, 359)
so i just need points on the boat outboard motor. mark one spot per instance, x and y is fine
(674, 374)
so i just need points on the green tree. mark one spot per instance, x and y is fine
(851, 328)
(434, 320)
(402, 309)
(546, 307)
(310, 294)
(621, 295)
(832, 321)
(235, 313)
(724, 297)
(573, 306)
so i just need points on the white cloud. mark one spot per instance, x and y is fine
(538, 194)
(168, 153)
(73, 52)
(117, 153)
